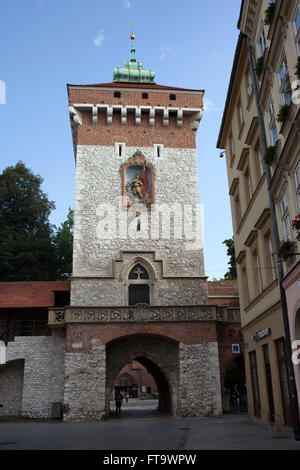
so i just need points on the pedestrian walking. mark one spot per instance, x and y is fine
(118, 400)
(236, 397)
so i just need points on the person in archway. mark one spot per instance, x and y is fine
(236, 397)
(118, 400)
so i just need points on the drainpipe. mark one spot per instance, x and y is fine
(293, 389)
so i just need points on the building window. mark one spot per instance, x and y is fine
(285, 92)
(240, 114)
(245, 286)
(270, 273)
(262, 42)
(144, 96)
(231, 145)
(297, 183)
(255, 386)
(172, 97)
(249, 84)
(138, 289)
(248, 186)
(285, 218)
(120, 149)
(158, 150)
(117, 94)
(261, 162)
(272, 123)
(296, 27)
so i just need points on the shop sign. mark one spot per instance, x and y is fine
(261, 334)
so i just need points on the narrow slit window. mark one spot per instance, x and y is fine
(120, 150)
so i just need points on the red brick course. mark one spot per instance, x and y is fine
(184, 332)
(143, 135)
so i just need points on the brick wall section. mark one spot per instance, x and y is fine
(185, 332)
(139, 374)
(143, 135)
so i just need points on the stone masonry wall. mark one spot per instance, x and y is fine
(43, 371)
(84, 394)
(98, 181)
(11, 388)
(199, 376)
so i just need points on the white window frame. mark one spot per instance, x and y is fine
(284, 84)
(262, 44)
(285, 217)
(260, 159)
(120, 148)
(296, 174)
(272, 122)
(295, 29)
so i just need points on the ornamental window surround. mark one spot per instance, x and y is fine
(296, 28)
(262, 44)
(284, 84)
(285, 218)
(297, 183)
(272, 123)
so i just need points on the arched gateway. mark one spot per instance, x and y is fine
(138, 288)
(159, 355)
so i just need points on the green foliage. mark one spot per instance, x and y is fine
(64, 246)
(27, 252)
(283, 113)
(231, 273)
(269, 13)
(259, 66)
(269, 155)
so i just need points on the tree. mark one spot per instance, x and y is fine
(27, 252)
(231, 273)
(64, 246)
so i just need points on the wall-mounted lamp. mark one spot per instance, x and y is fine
(222, 154)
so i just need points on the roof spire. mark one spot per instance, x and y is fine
(132, 71)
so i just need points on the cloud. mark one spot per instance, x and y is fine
(164, 51)
(207, 105)
(99, 39)
(126, 3)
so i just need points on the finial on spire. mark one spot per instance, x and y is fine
(132, 37)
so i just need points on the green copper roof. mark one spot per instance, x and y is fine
(132, 71)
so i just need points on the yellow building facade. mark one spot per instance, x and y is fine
(262, 154)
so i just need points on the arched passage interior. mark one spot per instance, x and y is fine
(159, 355)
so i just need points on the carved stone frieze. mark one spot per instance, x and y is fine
(141, 313)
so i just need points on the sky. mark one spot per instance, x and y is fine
(46, 44)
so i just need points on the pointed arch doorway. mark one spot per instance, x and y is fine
(159, 356)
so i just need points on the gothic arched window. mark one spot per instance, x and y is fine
(138, 272)
(138, 289)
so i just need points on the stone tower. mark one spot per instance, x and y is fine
(138, 289)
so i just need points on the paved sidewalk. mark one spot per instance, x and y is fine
(230, 432)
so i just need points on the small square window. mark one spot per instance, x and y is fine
(117, 94)
(144, 96)
(235, 348)
(173, 97)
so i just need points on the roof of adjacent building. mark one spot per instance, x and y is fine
(150, 86)
(30, 294)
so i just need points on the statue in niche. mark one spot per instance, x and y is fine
(138, 185)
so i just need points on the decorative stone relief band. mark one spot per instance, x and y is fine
(195, 114)
(141, 313)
